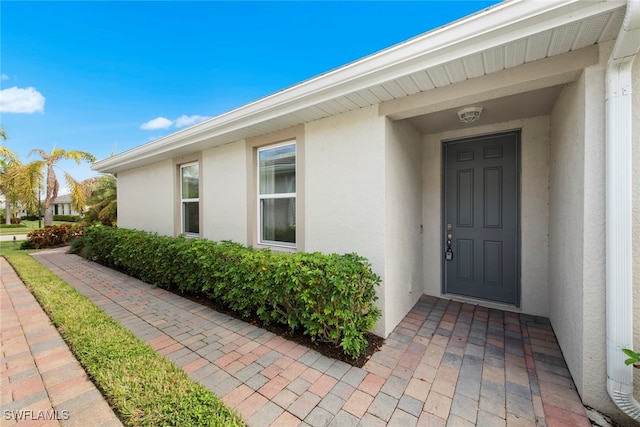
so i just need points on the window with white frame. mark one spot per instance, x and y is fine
(190, 198)
(277, 195)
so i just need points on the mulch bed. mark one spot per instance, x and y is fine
(326, 349)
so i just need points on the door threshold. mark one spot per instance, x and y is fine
(482, 302)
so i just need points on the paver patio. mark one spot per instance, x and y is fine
(446, 363)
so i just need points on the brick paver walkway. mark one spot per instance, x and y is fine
(447, 363)
(41, 382)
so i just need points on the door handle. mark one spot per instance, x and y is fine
(448, 255)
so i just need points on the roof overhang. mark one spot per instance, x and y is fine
(507, 35)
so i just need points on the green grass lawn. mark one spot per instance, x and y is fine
(28, 226)
(143, 387)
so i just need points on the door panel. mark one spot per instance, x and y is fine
(481, 209)
(464, 199)
(465, 259)
(492, 197)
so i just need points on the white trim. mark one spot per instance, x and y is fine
(191, 200)
(261, 197)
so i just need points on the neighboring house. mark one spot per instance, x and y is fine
(61, 205)
(488, 161)
(14, 213)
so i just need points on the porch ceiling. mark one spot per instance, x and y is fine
(502, 37)
(522, 105)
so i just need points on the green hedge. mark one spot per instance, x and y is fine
(3, 225)
(329, 297)
(66, 218)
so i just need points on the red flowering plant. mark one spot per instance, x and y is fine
(55, 235)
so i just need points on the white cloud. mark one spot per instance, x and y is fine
(4, 77)
(157, 123)
(180, 122)
(18, 100)
(185, 120)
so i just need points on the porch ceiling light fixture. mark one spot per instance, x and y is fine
(469, 114)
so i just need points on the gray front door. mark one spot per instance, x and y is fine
(481, 248)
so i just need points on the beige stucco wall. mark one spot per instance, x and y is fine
(403, 270)
(345, 189)
(432, 214)
(594, 277)
(566, 229)
(534, 207)
(144, 206)
(224, 175)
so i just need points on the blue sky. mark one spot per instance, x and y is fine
(108, 76)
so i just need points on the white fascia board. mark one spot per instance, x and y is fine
(627, 46)
(498, 25)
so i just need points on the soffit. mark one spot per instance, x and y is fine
(361, 84)
(522, 105)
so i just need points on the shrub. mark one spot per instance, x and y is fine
(66, 218)
(55, 235)
(328, 297)
(633, 358)
(14, 220)
(29, 217)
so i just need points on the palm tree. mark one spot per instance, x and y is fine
(7, 160)
(103, 205)
(49, 160)
(7, 157)
(18, 182)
